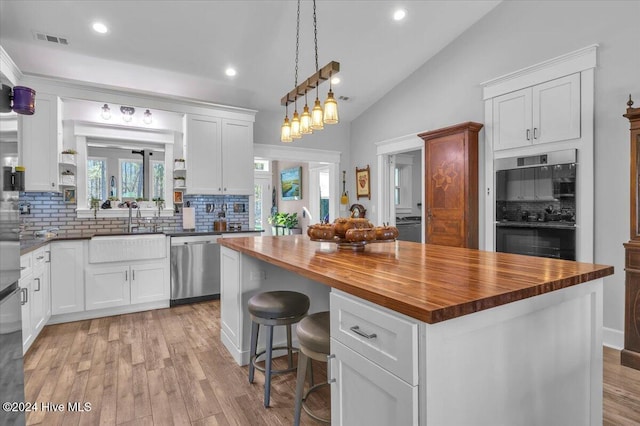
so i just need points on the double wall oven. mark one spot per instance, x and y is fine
(536, 205)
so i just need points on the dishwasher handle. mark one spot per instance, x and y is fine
(194, 243)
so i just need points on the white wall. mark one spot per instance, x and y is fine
(446, 90)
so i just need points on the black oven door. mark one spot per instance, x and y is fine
(558, 243)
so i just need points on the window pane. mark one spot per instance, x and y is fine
(96, 179)
(131, 178)
(257, 188)
(157, 191)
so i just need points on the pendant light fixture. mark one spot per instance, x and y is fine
(285, 132)
(305, 118)
(317, 117)
(330, 107)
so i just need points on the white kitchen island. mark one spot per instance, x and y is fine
(462, 337)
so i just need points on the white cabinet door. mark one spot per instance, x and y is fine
(149, 283)
(547, 112)
(366, 394)
(25, 300)
(39, 144)
(38, 301)
(512, 120)
(230, 295)
(237, 157)
(204, 148)
(67, 277)
(556, 110)
(107, 286)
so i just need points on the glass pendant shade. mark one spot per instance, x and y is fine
(316, 116)
(285, 132)
(330, 109)
(305, 121)
(295, 126)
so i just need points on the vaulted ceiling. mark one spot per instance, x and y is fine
(182, 48)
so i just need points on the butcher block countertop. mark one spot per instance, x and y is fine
(427, 282)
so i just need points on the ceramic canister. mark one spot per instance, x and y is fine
(24, 100)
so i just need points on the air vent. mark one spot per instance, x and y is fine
(344, 98)
(51, 38)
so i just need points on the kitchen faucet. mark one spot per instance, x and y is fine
(130, 225)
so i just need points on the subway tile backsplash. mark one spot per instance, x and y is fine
(48, 210)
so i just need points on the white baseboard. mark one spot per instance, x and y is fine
(613, 338)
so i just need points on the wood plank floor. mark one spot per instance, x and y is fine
(168, 367)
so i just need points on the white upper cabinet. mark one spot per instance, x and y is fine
(40, 141)
(547, 112)
(204, 145)
(220, 156)
(237, 156)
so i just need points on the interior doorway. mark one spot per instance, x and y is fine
(323, 195)
(262, 200)
(401, 185)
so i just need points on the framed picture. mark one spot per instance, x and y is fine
(177, 197)
(291, 183)
(69, 195)
(363, 183)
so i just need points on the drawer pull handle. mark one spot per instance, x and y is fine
(356, 329)
(38, 289)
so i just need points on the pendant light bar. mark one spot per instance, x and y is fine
(326, 72)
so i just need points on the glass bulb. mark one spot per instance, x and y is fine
(305, 121)
(330, 109)
(285, 132)
(295, 126)
(316, 116)
(106, 112)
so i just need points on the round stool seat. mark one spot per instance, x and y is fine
(278, 304)
(313, 332)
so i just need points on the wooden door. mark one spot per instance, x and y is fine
(451, 185)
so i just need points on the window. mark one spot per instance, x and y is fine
(261, 165)
(131, 180)
(157, 179)
(323, 177)
(402, 183)
(96, 179)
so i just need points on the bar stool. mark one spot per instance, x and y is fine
(313, 338)
(273, 308)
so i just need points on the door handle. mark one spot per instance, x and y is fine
(24, 292)
(126, 275)
(330, 378)
(133, 274)
(535, 133)
(38, 289)
(528, 134)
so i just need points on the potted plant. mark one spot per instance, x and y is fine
(178, 164)
(284, 223)
(178, 182)
(159, 202)
(68, 178)
(68, 156)
(94, 204)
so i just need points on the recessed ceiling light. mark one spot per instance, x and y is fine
(230, 72)
(399, 15)
(99, 27)
(335, 80)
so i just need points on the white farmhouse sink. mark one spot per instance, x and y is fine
(127, 248)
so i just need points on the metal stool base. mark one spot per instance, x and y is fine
(307, 409)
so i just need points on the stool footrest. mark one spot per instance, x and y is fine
(254, 359)
(307, 409)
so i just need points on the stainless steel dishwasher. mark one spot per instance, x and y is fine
(195, 269)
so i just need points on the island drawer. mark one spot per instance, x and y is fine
(385, 337)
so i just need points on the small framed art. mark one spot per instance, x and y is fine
(69, 195)
(363, 183)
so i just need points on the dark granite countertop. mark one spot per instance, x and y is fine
(30, 243)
